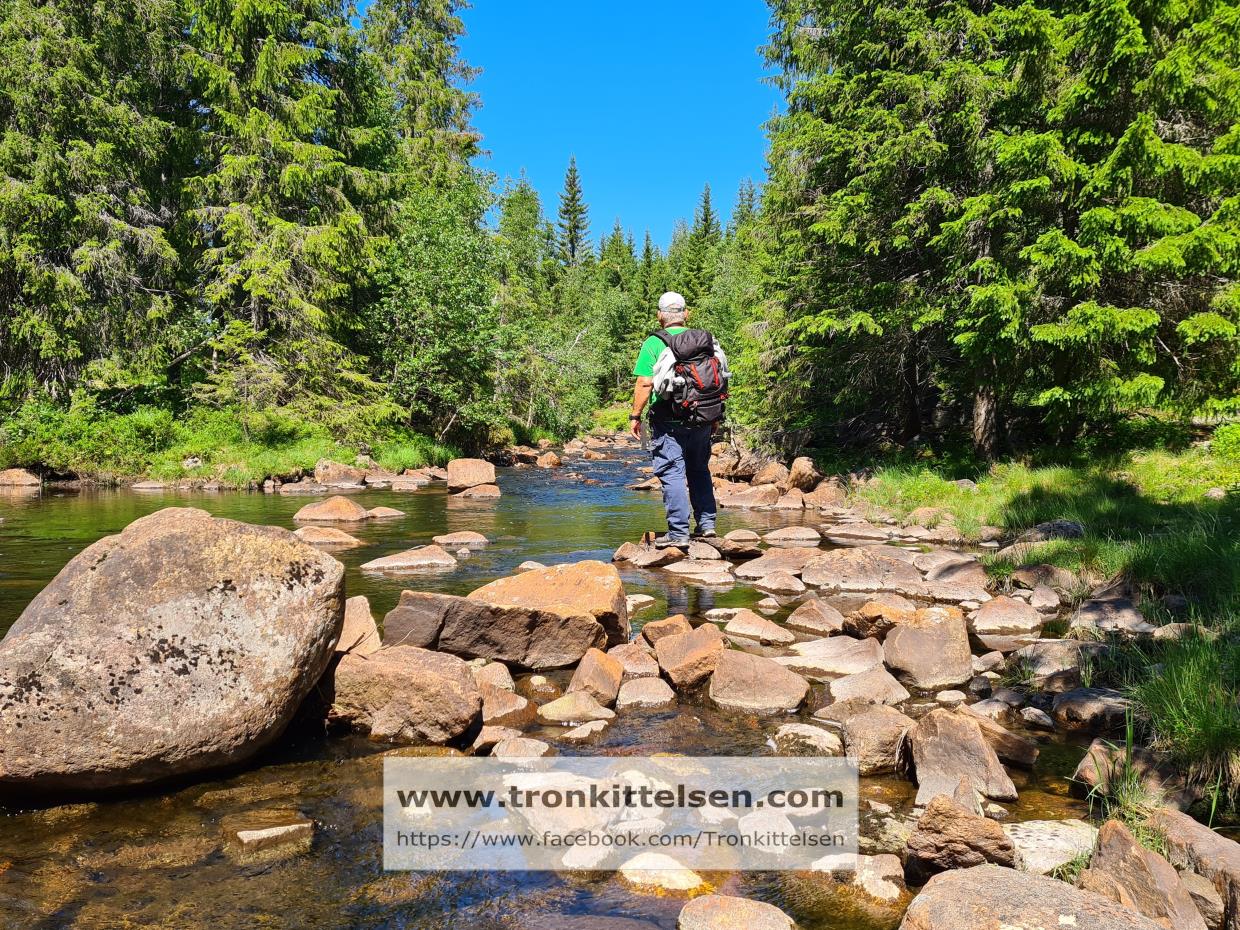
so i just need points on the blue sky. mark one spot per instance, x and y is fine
(654, 99)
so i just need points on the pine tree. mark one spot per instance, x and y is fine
(574, 219)
(746, 206)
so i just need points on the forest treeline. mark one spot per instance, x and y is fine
(225, 222)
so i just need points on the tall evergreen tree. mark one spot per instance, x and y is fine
(574, 219)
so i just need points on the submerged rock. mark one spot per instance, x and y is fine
(723, 912)
(803, 739)
(327, 537)
(421, 558)
(182, 644)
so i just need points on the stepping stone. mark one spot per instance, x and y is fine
(1042, 846)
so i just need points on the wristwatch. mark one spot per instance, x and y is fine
(634, 417)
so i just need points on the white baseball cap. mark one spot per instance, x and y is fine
(671, 301)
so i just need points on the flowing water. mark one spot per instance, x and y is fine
(157, 859)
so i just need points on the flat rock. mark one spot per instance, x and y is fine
(326, 536)
(182, 644)
(1140, 879)
(803, 739)
(835, 656)
(990, 896)
(793, 536)
(645, 692)
(815, 616)
(784, 559)
(861, 570)
(659, 872)
(599, 675)
(521, 747)
(1005, 624)
(384, 513)
(336, 509)
(638, 602)
(930, 651)
(403, 694)
(947, 747)
(763, 496)
(748, 536)
(1115, 614)
(423, 558)
(687, 659)
(360, 633)
(1042, 846)
(586, 587)
(479, 492)
(524, 637)
(469, 473)
(873, 733)
(1094, 710)
(723, 912)
(585, 732)
(876, 685)
(1192, 845)
(745, 682)
(748, 625)
(640, 556)
(780, 582)
(1055, 664)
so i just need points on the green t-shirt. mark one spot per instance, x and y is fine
(649, 353)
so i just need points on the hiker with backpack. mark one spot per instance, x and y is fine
(683, 374)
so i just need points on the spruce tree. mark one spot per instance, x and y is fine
(574, 219)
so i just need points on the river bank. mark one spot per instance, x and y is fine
(164, 856)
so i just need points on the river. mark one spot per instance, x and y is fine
(157, 859)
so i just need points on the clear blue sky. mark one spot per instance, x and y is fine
(654, 99)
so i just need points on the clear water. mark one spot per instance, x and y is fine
(157, 859)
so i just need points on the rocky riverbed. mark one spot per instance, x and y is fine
(241, 684)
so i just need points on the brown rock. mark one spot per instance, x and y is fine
(780, 582)
(466, 538)
(637, 659)
(1104, 760)
(748, 625)
(19, 478)
(828, 493)
(1005, 624)
(931, 651)
(578, 707)
(380, 513)
(861, 569)
(599, 675)
(469, 473)
(1008, 746)
(947, 747)
(877, 685)
(771, 473)
(525, 637)
(645, 692)
(360, 634)
(724, 912)
(1139, 879)
(335, 475)
(687, 659)
(763, 496)
(948, 836)
(182, 644)
(990, 897)
(336, 509)
(479, 492)
(587, 587)
(403, 694)
(670, 626)
(834, 657)
(753, 684)
(548, 460)
(1095, 710)
(803, 474)
(790, 559)
(815, 616)
(878, 618)
(873, 733)
(1195, 846)
(503, 708)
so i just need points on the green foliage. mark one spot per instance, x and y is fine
(1013, 220)
(1226, 442)
(574, 224)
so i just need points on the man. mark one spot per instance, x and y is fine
(679, 445)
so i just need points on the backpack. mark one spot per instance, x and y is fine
(691, 377)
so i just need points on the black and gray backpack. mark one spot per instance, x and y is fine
(691, 377)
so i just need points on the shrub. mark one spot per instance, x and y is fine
(1226, 442)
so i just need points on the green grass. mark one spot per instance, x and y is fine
(612, 419)
(235, 447)
(1127, 797)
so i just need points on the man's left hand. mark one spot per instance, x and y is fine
(635, 429)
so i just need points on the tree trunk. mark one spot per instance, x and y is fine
(985, 422)
(912, 395)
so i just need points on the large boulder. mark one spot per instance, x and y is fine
(587, 587)
(815, 616)
(948, 836)
(931, 651)
(989, 897)
(182, 644)
(834, 657)
(745, 624)
(771, 473)
(1192, 845)
(19, 478)
(1140, 879)
(803, 474)
(1005, 624)
(403, 694)
(861, 569)
(687, 659)
(947, 747)
(756, 685)
(1094, 710)
(336, 475)
(877, 685)
(525, 637)
(469, 473)
(336, 509)
(873, 733)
